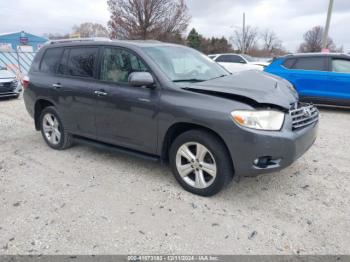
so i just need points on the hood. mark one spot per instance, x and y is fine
(5, 74)
(6, 80)
(261, 87)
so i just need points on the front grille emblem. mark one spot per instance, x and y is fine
(307, 112)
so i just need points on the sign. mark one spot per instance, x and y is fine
(23, 39)
(5, 47)
(325, 50)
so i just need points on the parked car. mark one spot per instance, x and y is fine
(171, 103)
(237, 62)
(319, 77)
(9, 86)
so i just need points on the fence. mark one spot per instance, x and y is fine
(16, 61)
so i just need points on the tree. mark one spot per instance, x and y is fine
(270, 41)
(272, 45)
(194, 39)
(246, 39)
(90, 30)
(215, 45)
(164, 20)
(56, 36)
(313, 41)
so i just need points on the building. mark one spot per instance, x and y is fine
(20, 41)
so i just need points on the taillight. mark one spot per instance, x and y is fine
(25, 82)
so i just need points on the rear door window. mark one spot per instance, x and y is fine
(341, 66)
(51, 60)
(82, 61)
(311, 63)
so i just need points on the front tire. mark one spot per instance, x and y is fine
(53, 130)
(200, 162)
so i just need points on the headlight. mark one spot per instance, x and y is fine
(259, 119)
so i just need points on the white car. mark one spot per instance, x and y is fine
(238, 62)
(9, 86)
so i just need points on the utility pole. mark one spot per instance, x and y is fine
(243, 35)
(326, 31)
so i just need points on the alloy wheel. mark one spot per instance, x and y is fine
(196, 165)
(51, 128)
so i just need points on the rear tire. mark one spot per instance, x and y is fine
(200, 162)
(53, 131)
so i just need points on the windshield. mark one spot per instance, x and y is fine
(185, 64)
(248, 58)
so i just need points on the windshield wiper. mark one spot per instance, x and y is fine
(194, 80)
(217, 77)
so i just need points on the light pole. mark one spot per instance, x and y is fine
(326, 30)
(243, 35)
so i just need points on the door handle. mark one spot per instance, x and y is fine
(100, 93)
(57, 85)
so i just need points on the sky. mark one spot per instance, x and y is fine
(289, 19)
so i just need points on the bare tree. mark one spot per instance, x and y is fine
(90, 30)
(272, 45)
(313, 41)
(148, 19)
(246, 39)
(56, 36)
(270, 40)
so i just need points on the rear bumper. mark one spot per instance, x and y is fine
(283, 148)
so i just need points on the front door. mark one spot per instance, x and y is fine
(339, 79)
(125, 115)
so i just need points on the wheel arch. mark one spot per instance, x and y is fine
(179, 128)
(40, 104)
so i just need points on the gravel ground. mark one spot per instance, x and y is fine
(88, 201)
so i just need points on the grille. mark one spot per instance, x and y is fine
(303, 115)
(8, 86)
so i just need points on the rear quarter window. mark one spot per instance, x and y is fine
(50, 61)
(288, 63)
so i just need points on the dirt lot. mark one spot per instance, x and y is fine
(87, 201)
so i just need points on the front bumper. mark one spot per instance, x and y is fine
(283, 148)
(9, 94)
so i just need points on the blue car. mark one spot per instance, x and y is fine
(320, 78)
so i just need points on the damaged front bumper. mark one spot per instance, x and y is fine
(261, 152)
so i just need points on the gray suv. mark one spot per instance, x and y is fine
(170, 103)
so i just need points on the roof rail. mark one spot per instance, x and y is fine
(72, 40)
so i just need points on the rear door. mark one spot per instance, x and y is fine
(339, 78)
(76, 82)
(125, 115)
(309, 75)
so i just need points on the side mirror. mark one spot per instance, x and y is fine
(141, 79)
(242, 61)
